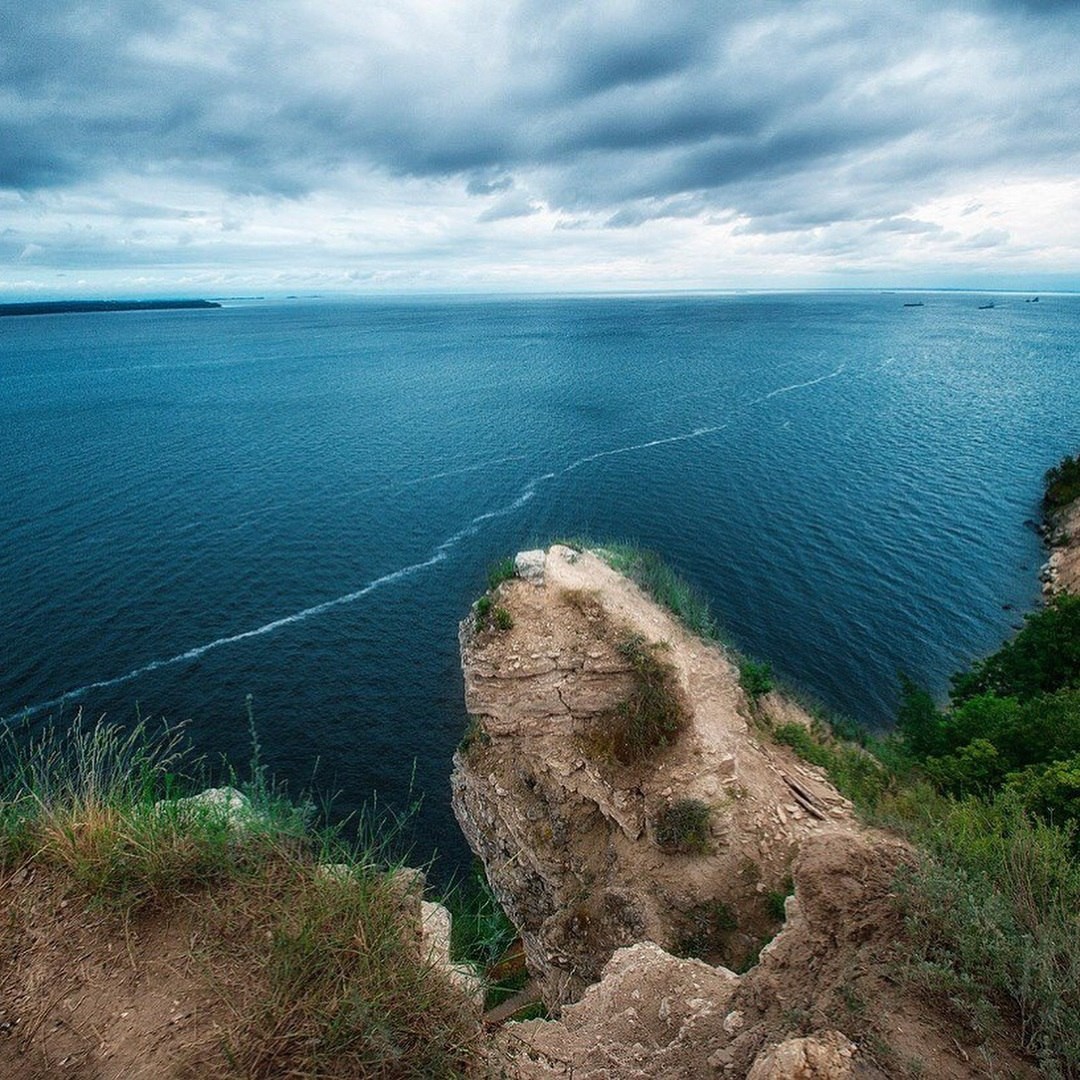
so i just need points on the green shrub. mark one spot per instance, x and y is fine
(683, 826)
(1043, 657)
(1062, 484)
(502, 619)
(991, 915)
(755, 678)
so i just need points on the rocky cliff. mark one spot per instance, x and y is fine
(1061, 572)
(642, 881)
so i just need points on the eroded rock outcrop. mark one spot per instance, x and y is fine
(1061, 571)
(572, 841)
(568, 835)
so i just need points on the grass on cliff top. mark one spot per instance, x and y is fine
(656, 579)
(318, 973)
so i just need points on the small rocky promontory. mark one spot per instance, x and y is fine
(648, 880)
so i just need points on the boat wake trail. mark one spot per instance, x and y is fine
(437, 556)
(198, 651)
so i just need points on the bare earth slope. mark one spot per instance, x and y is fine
(568, 838)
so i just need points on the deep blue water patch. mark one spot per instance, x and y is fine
(299, 501)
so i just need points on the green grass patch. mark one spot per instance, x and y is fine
(855, 772)
(318, 972)
(501, 571)
(991, 916)
(656, 579)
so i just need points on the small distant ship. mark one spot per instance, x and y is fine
(986, 307)
(1032, 300)
(917, 303)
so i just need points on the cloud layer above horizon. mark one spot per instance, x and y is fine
(157, 145)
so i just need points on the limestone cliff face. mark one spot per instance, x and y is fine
(567, 836)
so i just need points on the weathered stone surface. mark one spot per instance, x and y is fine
(435, 927)
(529, 566)
(828, 1055)
(568, 842)
(645, 1017)
(231, 806)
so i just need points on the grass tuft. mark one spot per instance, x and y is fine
(683, 826)
(333, 982)
(652, 715)
(501, 571)
(655, 578)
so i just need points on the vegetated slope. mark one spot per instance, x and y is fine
(144, 934)
(989, 788)
(643, 828)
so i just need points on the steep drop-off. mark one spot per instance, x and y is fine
(577, 846)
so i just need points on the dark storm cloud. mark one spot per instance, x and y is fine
(614, 107)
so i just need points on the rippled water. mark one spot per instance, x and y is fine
(299, 500)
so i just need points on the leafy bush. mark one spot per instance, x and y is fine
(1062, 484)
(991, 914)
(683, 826)
(1042, 658)
(502, 619)
(755, 678)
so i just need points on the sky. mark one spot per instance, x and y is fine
(190, 147)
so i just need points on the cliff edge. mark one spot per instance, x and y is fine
(644, 875)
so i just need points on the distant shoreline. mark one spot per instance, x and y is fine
(72, 307)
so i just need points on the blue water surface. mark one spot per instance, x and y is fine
(299, 500)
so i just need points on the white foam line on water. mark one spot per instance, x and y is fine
(198, 651)
(405, 571)
(800, 385)
(695, 434)
(464, 469)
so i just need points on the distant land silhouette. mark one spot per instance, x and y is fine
(70, 307)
